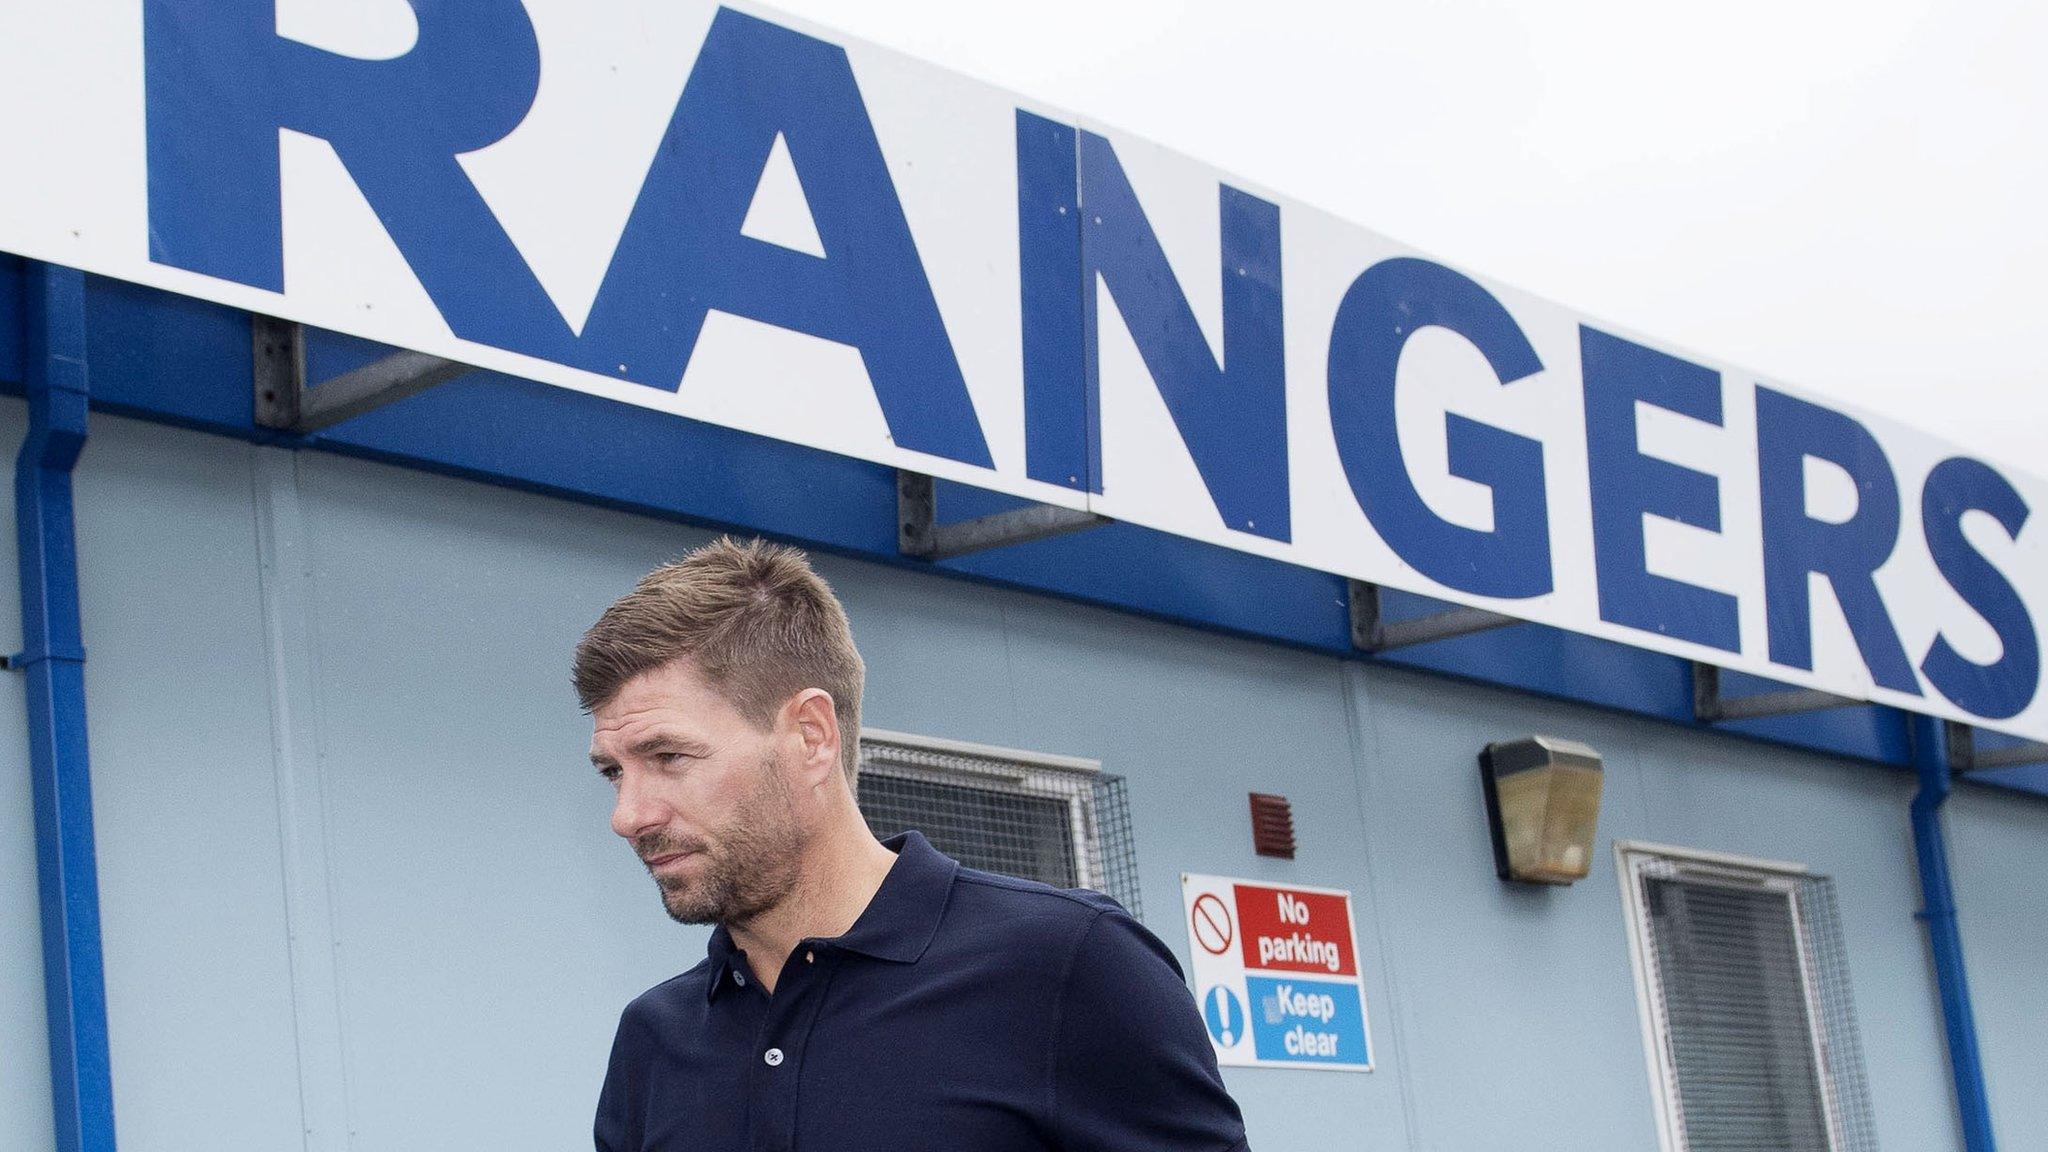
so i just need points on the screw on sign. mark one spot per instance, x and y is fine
(1210, 923)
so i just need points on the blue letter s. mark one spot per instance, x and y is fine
(2007, 685)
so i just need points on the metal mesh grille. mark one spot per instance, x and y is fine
(1750, 987)
(1068, 826)
(1115, 851)
(1841, 1045)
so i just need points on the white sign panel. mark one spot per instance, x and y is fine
(1275, 970)
(716, 212)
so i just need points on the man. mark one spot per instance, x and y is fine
(857, 996)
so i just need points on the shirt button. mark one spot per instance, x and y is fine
(807, 956)
(773, 1056)
(740, 978)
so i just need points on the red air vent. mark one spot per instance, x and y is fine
(1272, 825)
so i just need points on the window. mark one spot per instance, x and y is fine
(1056, 819)
(1747, 1019)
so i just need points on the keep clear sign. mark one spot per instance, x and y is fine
(1276, 972)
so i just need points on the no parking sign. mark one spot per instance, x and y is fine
(1275, 970)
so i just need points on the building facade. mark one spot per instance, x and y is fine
(347, 881)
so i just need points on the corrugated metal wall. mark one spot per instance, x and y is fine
(359, 891)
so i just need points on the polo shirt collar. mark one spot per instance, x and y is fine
(898, 923)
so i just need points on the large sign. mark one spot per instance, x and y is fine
(1275, 970)
(715, 212)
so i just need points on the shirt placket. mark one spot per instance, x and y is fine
(778, 1057)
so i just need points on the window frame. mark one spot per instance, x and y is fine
(1729, 870)
(1069, 780)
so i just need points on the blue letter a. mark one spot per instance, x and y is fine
(683, 253)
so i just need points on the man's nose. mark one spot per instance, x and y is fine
(635, 813)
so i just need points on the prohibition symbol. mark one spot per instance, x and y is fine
(1211, 923)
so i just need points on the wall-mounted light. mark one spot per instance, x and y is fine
(1542, 803)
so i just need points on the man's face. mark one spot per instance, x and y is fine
(704, 796)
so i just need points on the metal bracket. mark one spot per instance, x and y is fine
(919, 533)
(1964, 757)
(285, 402)
(1709, 706)
(1372, 632)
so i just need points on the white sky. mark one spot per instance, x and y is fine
(1846, 197)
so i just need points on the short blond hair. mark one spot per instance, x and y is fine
(754, 620)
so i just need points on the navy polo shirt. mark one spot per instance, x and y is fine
(963, 1012)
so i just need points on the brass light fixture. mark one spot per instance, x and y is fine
(1542, 804)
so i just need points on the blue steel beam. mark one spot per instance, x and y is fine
(1944, 937)
(182, 361)
(186, 362)
(53, 660)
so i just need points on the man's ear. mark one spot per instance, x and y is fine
(816, 723)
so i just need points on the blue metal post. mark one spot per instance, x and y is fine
(1930, 758)
(53, 660)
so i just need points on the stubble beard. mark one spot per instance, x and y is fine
(748, 867)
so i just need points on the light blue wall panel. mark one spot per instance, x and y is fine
(184, 799)
(453, 857)
(1848, 821)
(491, 925)
(1513, 1006)
(24, 1051)
(1194, 722)
(1995, 851)
(1541, 978)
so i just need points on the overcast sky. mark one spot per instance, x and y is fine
(1846, 197)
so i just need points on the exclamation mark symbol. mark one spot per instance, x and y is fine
(1223, 1015)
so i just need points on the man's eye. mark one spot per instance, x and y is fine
(610, 772)
(672, 758)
